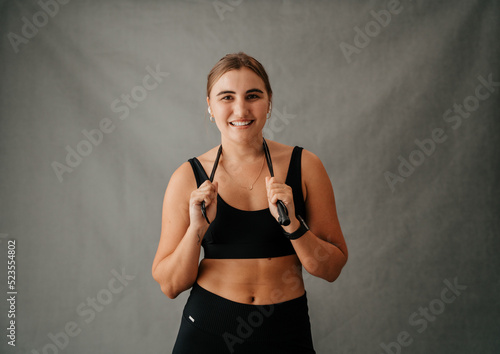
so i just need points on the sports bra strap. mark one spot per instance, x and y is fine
(294, 175)
(294, 180)
(199, 172)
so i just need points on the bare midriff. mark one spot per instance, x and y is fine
(259, 281)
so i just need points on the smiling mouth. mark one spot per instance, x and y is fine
(241, 123)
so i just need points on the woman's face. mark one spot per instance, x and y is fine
(240, 103)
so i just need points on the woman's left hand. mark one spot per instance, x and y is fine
(279, 191)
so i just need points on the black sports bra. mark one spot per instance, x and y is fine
(236, 233)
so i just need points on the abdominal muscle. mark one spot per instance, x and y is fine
(261, 281)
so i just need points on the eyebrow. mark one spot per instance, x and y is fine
(249, 91)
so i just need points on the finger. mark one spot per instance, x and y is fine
(204, 194)
(206, 185)
(207, 201)
(273, 182)
(275, 187)
(284, 197)
(281, 189)
(211, 195)
(279, 186)
(276, 197)
(198, 198)
(207, 191)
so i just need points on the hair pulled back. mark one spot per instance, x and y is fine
(237, 61)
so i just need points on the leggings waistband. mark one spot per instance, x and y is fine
(217, 315)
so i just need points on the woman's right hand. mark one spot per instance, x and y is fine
(206, 192)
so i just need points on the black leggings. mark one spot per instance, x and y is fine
(213, 324)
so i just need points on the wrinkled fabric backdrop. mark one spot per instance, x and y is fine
(102, 100)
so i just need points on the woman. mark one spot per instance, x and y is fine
(247, 293)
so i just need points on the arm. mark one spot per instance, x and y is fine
(322, 250)
(175, 266)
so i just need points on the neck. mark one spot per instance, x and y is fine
(248, 151)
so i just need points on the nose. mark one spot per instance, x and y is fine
(240, 108)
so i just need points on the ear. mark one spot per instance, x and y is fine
(208, 101)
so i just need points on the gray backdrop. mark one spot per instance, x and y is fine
(102, 100)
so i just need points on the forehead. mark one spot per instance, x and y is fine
(239, 80)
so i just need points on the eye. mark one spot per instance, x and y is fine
(252, 96)
(226, 98)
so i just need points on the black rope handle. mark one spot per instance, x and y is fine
(283, 218)
(216, 163)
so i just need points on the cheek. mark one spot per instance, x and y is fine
(261, 107)
(221, 110)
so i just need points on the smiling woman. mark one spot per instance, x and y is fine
(247, 293)
(239, 102)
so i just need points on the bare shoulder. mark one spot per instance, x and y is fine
(279, 151)
(315, 179)
(182, 183)
(182, 172)
(311, 163)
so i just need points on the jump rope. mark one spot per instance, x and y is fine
(283, 218)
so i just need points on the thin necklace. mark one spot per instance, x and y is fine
(251, 186)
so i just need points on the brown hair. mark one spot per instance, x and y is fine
(237, 61)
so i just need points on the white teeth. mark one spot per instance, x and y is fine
(239, 124)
